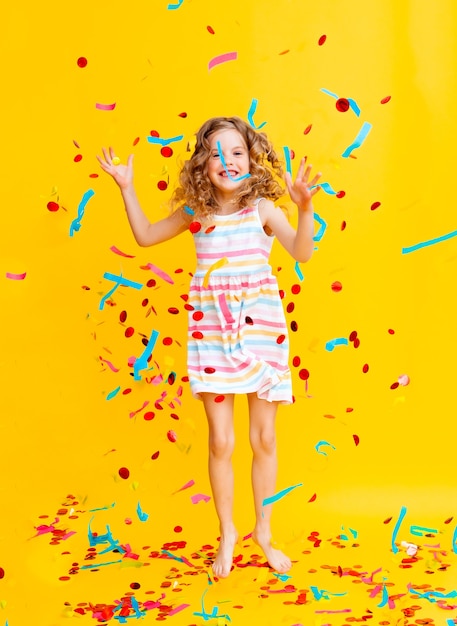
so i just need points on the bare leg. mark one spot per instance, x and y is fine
(262, 416)
(221, 444)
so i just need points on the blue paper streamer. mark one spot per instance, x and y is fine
(251, 113)
(319, 445)
(142, 516)
(352, 103)
(322, 227)
(397, 528)
(338, 341)
(119, 280)
(420, 531)
(113, 393)
(430, 242)
(454, 541)
(76, 223)
(325, 187)
(224, 165)
(298, 270)
(188, 210)
(141, 362)
(172, 7)
(164, 142)
(280, 495)
(358, 141)
(288, 160)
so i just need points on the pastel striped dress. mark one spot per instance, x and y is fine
(237, 338)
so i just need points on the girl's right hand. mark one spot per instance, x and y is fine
(122, 174)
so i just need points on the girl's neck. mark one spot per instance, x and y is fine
(226, 208)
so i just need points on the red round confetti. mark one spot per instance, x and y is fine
(340, 194)
(219, 399)
(385, 100)
(136, 140)
(167, 341)
(188, 307)
(281, 339)
(197, 315)
(356, 342)
(78, 158)
(375, 205)
(249, 320)
(178, 529)
(209, 370)
(183, 114)
(124, 473)
(281, 294)
(82, 62)
(154, 133)
(123, 316)
(294, 326)
(129, 331)
(210, 30)
(307, 129)
(149, 415)
(322, 40)
(296, 361)
(304, 374)
(394, 385)
(172, 436)
(197, 334)
(194, 227)
(162, 185)
(353, 335)
(365, 368)
(145, 302)
(166, 152)
(343, 225)
(391, 331)
(210, 229)
(313, 498)
(155, 455)
(151, 282)
(342, 105)
(127, 391)
(337, 286)
(174, 416)
(2, 573)
(173, 310)
(135, 585)
(356, 439)
(296, 289)
(52, 206)
(290, 307)
(93, 175)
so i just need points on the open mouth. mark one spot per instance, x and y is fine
(227, 173)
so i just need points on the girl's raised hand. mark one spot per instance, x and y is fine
(122, 174)
(302, 190)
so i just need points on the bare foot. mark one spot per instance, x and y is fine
(224, 557)
(277, 560)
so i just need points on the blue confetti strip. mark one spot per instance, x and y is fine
(288, 160)
(420, 531)
(319, 445)
(325, 187)
(103, 508)
(97, 565)
(188, 210)
(352, 103)
(298, 271)
(142, 516)
(251, 113)
(142, 362)
(164, 142)
(454, 541)
(397, 528)
(224, 165)
(76, 223)
(119, 280)
(338, 341)
(322, 593)
(172, 7)
(280, 495)
(113, 393)
(361, 136)
(322, 227)
(430, 242)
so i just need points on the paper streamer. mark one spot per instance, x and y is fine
(142, 362)
(251, 113)
(322, 227)
(172, 7)
(105, 107)
(320, 444)
(16, 276)
(177, 609)
(430, 242)
(222, 58)
(76, 223)
(119, 280)
(397, 528)
(288, 159)
(214, 266)
(198, 497)
(325, 187)
(298, 271)
(142, 516)
(224, 165)
(164, 142)
(120, 253)
(338, 341)
(358, 141)
(352, 103)
(160, 273)
(280, 494)
(113, 393)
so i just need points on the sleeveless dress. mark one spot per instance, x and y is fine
(237, 334)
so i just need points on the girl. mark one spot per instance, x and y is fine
(237, 339)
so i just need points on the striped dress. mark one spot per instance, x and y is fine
(237, 337)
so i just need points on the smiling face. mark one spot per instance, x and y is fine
(236, 161)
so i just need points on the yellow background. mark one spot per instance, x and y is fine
(62, 442)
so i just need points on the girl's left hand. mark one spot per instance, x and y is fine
(302, 190)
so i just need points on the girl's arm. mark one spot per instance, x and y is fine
(298, 243)
(145, 232)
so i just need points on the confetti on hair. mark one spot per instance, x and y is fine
(119, 280)
(12, 276)
(76, 223)
(280, 494)
(338, 341)
(172, 7)
(120, 253)
(212, 268)
(320, 444)
(188, 210)
(288, 160)
(224, 165)
(166, 277)
(429, 242)
(358, 141)
(222, 58)
(251, 113)
(105, 107)
(142, 362)
(164, 142)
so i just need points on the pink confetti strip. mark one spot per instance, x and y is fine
(105, 107)
(198, 497)
(120, 253)
(191, 483)
(133, 413)
(159, 272)
(16, 276)
(181, 607)
(222, 58)
(109, 364)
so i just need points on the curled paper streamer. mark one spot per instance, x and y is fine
(338, 341)
(288, 160)
(251, 114)
(16, 276)
(298, 270)
(76, 223)
(361, 136)
(120, 253)
(214, 266)
(322, 227)
(430, 242)
(142, 362)
(105, 107)
(222, 58)
(164, 142)
(352, 103)
(319, 445)
(280, 495)
(325, 187)
(171, 7)
(198, 497)
(160, 273)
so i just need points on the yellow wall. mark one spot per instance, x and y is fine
(59, 435)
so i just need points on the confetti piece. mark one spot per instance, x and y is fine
(320, 444)
(361, 136)
(356, 439)
(338, 341)
(119, 280)
(325, 187)
(298, 271)
(224, 165)
(109, 364)
(164, 142)
(280, 495)
(288, 160)
(212, 268)
(344, 104)
(419, 531)
(142, 516)
(397, 528)
(251, 113)
(142, 362)
(160, 273)
(105, 107)
(222, 58)
(120, 253)
(113, 393)
(199, 497)
(322, 40)
(172, 7)
(76, 223)
(430, 242)
(12, 276)
(322, 227)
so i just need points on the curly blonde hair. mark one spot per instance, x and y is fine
(195, 189)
